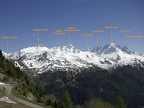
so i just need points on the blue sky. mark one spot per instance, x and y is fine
(19, 17)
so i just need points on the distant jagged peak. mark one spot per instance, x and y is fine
(110, 48)
(70, 46)
(107, 49)
(33, 49)
(125, 49)
(113, 48)
(96, 49)
(88, 50)
(38, 46)
(136, 53)
(113, 45)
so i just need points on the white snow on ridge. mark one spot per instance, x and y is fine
(121, 57)
(42, 58)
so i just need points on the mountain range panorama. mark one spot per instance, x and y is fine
(41, 59)
(107, 72)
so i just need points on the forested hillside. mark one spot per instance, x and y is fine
(124, 83)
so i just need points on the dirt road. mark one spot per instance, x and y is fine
(16, 99)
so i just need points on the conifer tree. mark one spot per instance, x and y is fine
(49, 103)
(55, 105)
(67, 100)
(1, 56)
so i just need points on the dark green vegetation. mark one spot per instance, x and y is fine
(8, 69)
(123, 84)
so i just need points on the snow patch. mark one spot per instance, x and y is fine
(7, 100)
(1, 83)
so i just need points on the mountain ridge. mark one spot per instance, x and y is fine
(41, 59)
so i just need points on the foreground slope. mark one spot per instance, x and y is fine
(12, 77)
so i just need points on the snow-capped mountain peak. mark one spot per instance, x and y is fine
(109, 48)
(97, 49)
(29, 51)
(68, 48)
(125, 49)
(39, 46)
